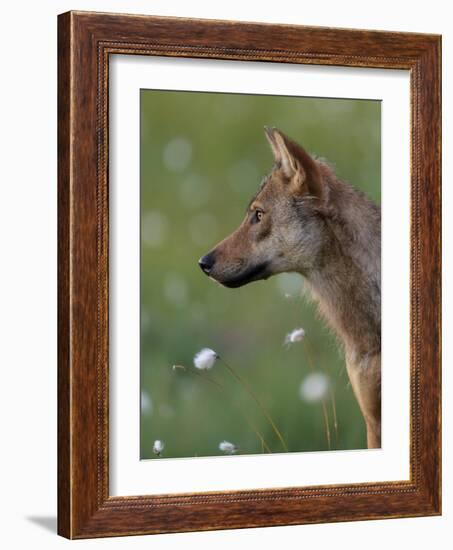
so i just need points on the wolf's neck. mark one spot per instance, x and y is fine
(347, 283)
(351, 309)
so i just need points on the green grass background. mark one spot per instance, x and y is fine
(202, 157)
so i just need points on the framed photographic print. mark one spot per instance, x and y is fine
(249, 275)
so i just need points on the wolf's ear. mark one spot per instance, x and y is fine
(282, 154)
(297, 165)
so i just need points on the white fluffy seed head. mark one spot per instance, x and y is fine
(296, 335)
(205, 359)
(314, 387)
(158, 447)
(227, 447)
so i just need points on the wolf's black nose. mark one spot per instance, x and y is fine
(206, 263)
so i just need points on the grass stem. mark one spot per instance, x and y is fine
(323, 402)
(249, 390)
(220, 387)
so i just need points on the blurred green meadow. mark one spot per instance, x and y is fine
(202, 157)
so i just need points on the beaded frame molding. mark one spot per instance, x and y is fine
(85, 42)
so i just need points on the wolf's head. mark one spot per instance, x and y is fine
(283, 226)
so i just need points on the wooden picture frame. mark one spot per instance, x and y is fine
(85, 42)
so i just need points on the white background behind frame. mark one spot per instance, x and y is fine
(32, 460)
(128, 474)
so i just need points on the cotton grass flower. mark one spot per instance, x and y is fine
(296, 335)
(314, 387)
(158, 447)
(205, 359)
(228, 448)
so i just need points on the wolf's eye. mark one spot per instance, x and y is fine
(258, 216)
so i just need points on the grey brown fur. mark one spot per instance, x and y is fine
(306, 220)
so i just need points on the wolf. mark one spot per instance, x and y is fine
(305, 219)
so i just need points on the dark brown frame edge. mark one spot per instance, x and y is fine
(85, 42)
